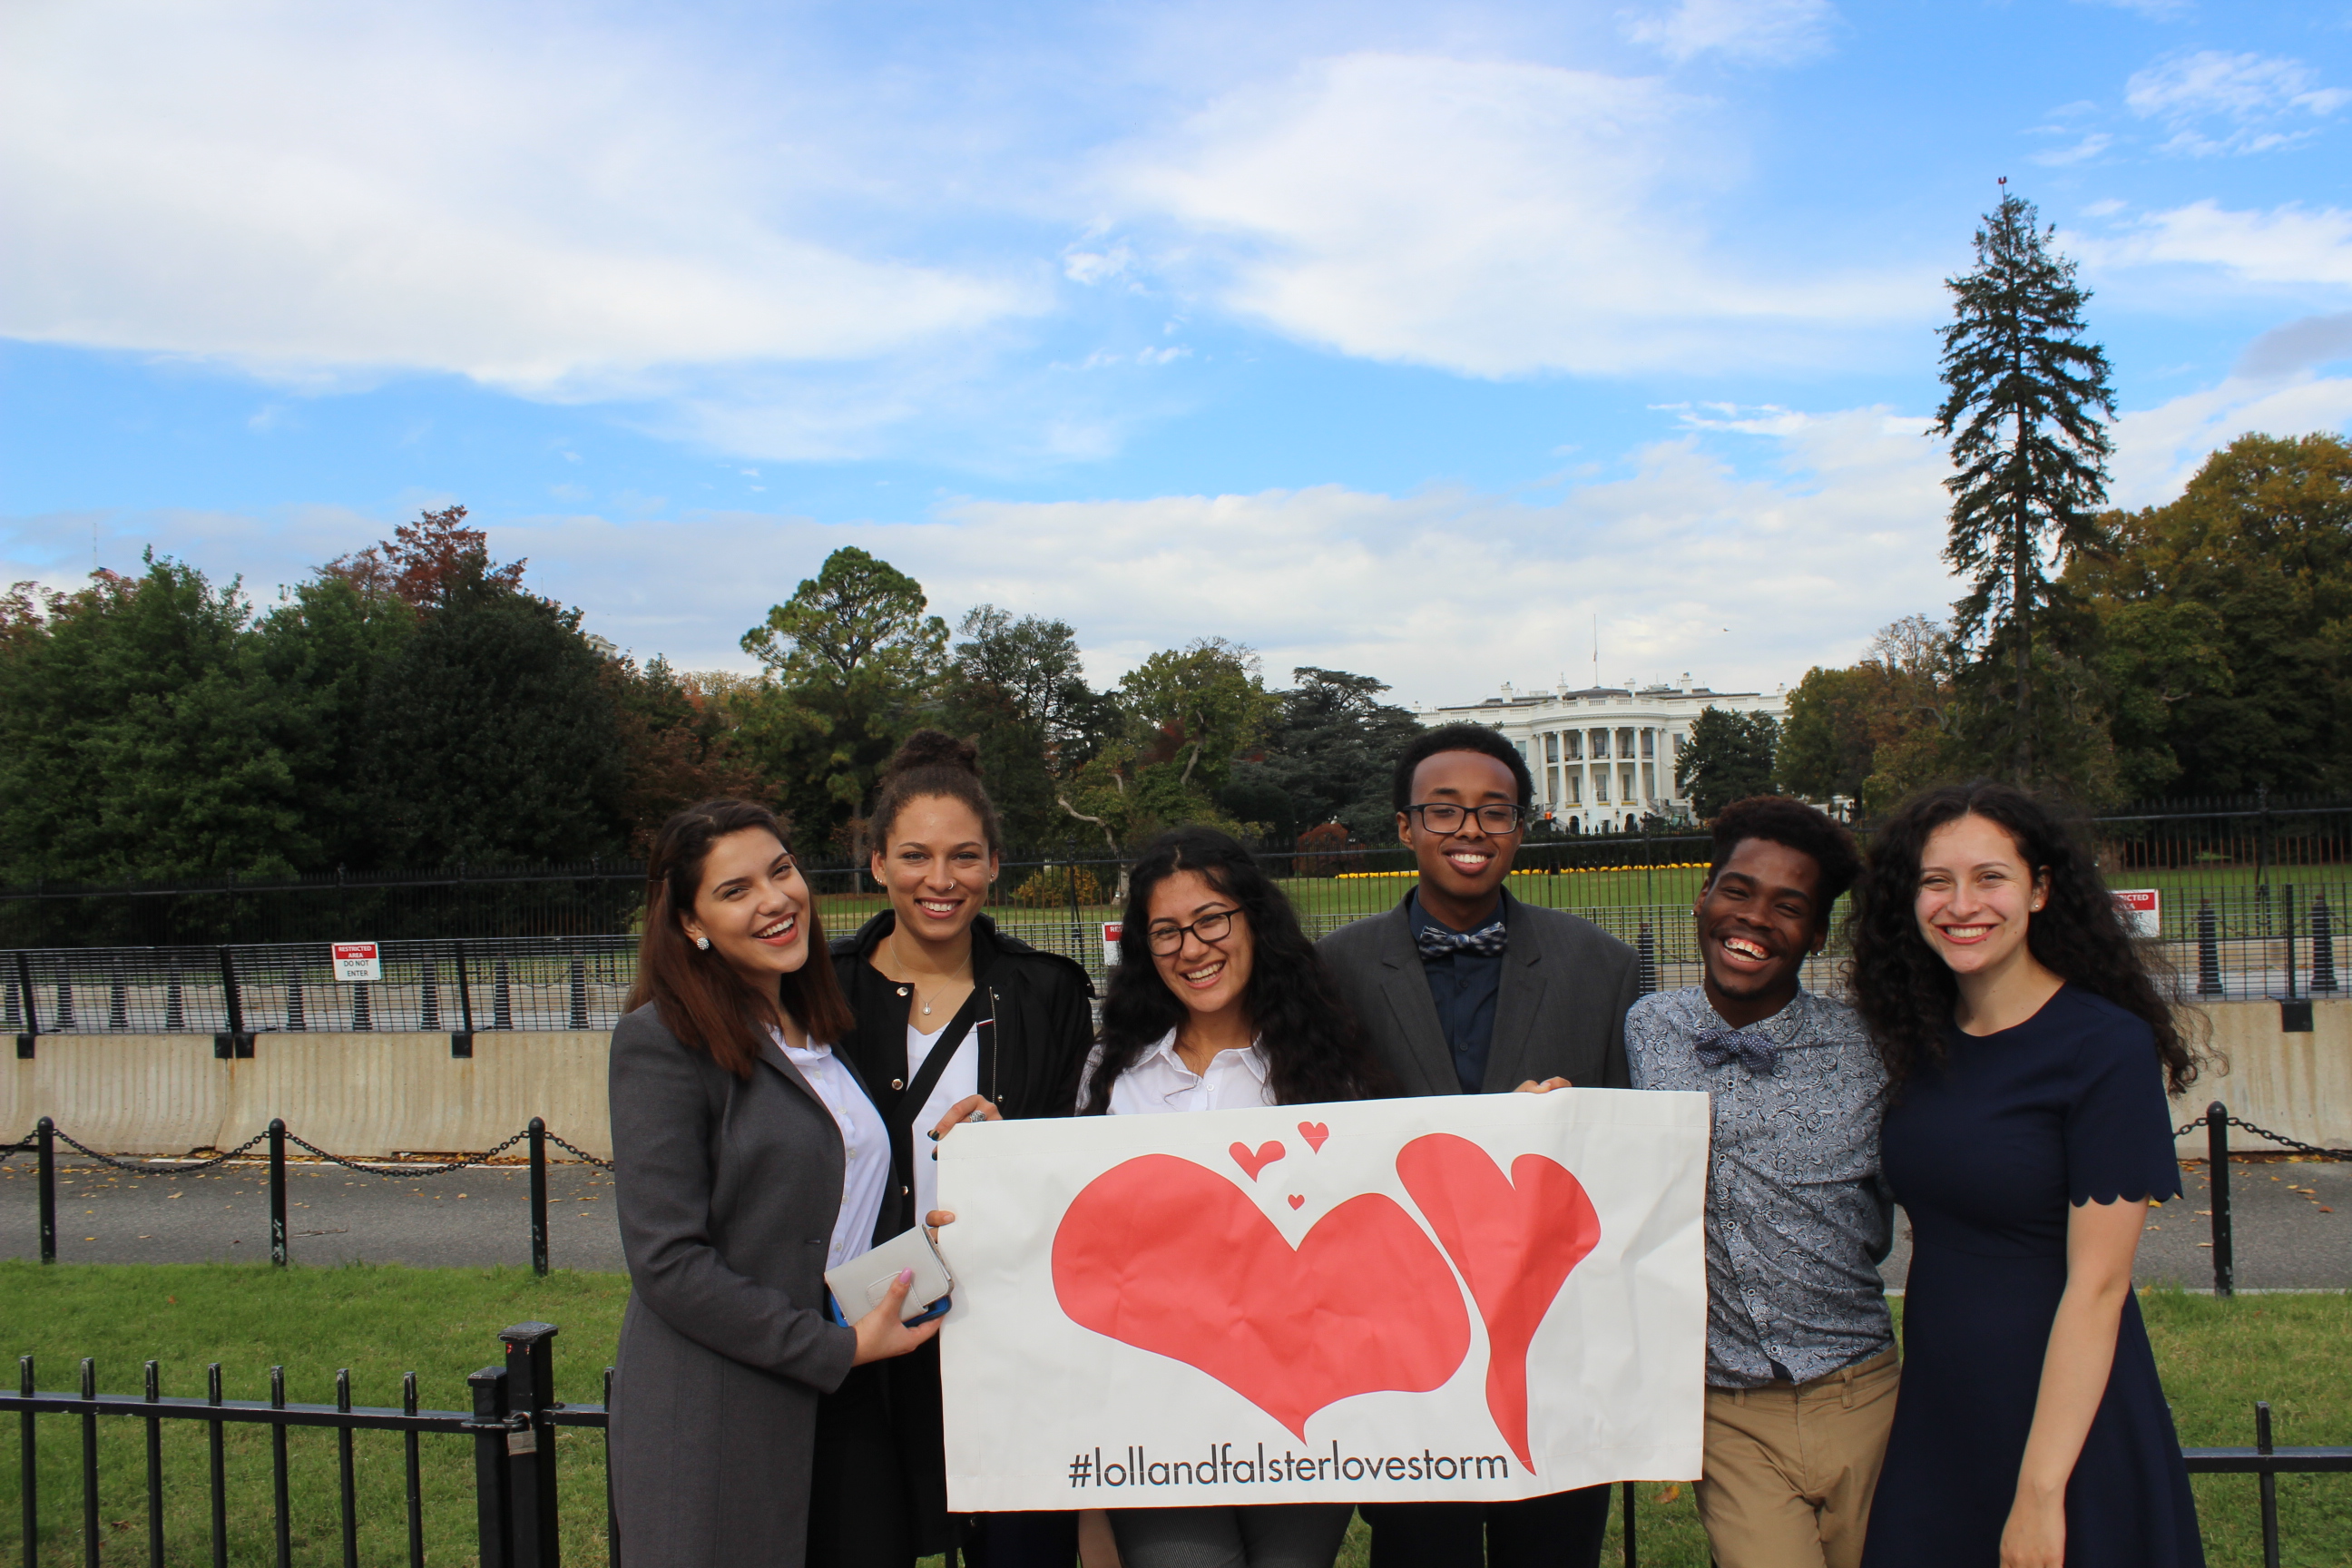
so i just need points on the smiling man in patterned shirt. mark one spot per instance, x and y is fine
(1800, 1363)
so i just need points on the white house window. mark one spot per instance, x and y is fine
(1575, 742)
(1649, 742)
(1551, 747)
(1601, 745)
(1601, 785)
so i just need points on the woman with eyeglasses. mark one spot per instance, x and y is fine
(1219, 1001)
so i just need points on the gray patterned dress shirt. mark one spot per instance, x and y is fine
(1798, 1216)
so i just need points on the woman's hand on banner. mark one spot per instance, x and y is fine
(880, 1332)
(971, 1107)
(1532, 1087)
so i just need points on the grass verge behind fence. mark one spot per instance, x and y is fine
(2217, 1357)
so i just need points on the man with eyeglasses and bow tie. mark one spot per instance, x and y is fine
(1800, 1362)
(1462, 989)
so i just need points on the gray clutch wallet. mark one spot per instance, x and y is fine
(859, 1285)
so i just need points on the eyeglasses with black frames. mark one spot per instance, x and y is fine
(1446, 818)
(1213, 928)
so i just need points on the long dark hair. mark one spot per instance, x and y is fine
(1314, 1050)
(703, 1001)
(1906, 993)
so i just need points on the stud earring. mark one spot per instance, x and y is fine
(703, 943)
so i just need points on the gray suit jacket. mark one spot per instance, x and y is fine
(1560, 1012)
(728, 1191)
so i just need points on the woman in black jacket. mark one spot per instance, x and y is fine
(954, 1019)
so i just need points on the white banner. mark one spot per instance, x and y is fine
(1473, 1297)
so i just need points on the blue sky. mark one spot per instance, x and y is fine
(1420, 340)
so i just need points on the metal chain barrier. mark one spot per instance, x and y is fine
(401, 1168)
(2297, 1144)
(178, 1167)
(169, 1167)
(580, 1153)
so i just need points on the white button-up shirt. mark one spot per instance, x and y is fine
(865, 1147)
(960, 1078)
(1159, 1081)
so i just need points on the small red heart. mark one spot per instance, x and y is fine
(1296, 1202)
(1313, 1133)
(1268, 1154)
(1168, 1257)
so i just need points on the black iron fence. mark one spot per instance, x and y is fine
(512, 1429)
(2223, 939)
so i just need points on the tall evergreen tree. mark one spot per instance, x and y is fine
(2026, 394)
(1729, 757)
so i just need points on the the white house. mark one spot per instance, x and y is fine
(1605, 756)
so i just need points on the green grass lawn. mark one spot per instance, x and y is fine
(2217, 1357)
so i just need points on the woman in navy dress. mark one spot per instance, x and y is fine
(2028, 1052)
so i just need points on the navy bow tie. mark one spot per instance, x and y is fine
(1436, 942)
(1757, 1053)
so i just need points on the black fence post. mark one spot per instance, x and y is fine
(154, 1393)
(277, 1192)
(1632, 1557)
(296, 1009)
(492, 1502)
(118, 999)
(2217, 1170)
(2323, 945)
(2286, 918)
(90, 1531)
(1646, 946)
(27, 1470)
(175, 1010)
(2269, 1485)
(363, 1008)
(2208, 951)
(237, 1042)
(46, 1131)
(32, 1015)
(219, 1454)
(530, 1448)
(461, 1044)
(502, 995)
(578, 992)
(428, 998)
(537, 1196)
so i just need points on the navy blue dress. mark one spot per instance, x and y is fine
(1986, 1155)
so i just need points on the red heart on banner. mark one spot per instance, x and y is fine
(1313, 1133)
(1514, 1242)
(1171, 1258)
(1268, 1154)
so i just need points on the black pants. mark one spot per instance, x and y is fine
(1022, 1541)
(1562, 1531)
(859, 1513)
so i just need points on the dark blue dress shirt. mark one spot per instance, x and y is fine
(1464, 986)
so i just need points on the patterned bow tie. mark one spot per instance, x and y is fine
(1757, 1053)
(1436, 942)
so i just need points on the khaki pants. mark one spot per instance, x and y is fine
(1789, 1468)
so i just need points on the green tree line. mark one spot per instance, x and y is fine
(415, 703)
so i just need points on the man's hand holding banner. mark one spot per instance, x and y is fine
(1448, 1298)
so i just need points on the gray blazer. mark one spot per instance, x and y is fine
(727, 1192)
(1560, 1012)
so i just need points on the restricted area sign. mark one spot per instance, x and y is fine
(357, 960)
(2142, 910)
(1110, 942)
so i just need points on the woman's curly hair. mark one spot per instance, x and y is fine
(1906, 993)
(1314, 1050)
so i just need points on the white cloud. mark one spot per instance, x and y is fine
(1487, 217)
(2255, 93)
(2298, 345)
(1777, 31)
(2157, 449)
(2089, 147)
(2288, 245)
(525, 201)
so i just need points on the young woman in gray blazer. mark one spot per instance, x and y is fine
(749, 1425)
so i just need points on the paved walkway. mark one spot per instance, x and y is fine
(2294, 1221)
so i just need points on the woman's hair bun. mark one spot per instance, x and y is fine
(930, 748)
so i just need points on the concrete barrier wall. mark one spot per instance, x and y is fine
(374, 1094)
(2298, 1084)
(362, 1094)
